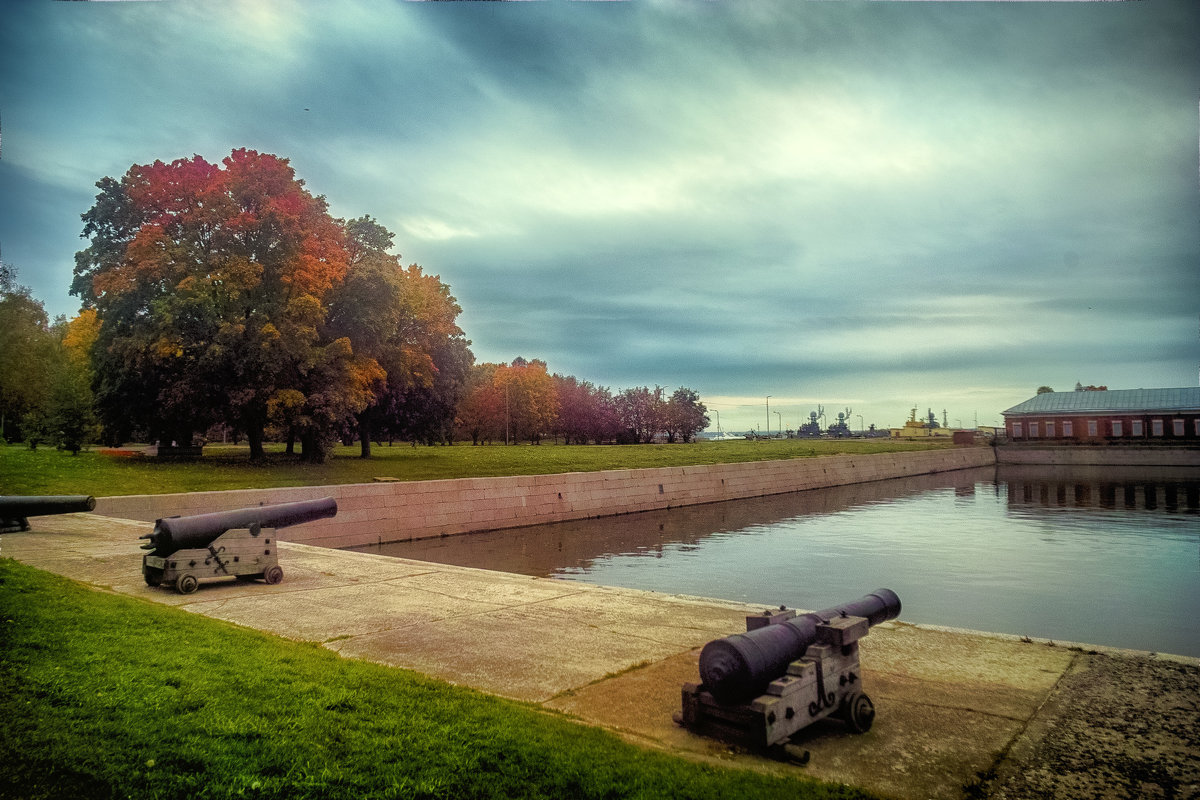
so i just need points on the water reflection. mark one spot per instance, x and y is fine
(547, 550)
(1174, 490)
(1094, 555)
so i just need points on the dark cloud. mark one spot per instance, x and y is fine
(881, 202)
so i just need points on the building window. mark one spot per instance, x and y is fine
(1118, 428)
(1196, 425)
(1033, 430)
(1049, 430)
(1177, 426)
(1092, 427)
(1135, 427)
(1016, 430)
(1156, 428)
(1068, 428)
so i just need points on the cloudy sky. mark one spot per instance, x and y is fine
(875, 206)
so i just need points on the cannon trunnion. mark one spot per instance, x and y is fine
(241, 544)
(760, 688)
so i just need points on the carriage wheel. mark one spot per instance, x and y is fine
(859, 712)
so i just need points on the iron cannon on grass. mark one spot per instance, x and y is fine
(787, 671)
(15, 510)
(238, 543)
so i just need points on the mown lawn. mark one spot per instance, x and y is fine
(108, 696)
(100, 473)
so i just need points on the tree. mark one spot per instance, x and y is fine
(530, 402)
(27, 351)
(210, 283)
(406, 321)
(685, 415)
(481, 413)
(44, 374)
(71, 417)
(642, 412)
(1044, 390)
(586, 411)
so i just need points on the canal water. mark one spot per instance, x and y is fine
(1102, 555)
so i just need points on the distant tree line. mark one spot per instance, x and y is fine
(227, 295)
(522, 401)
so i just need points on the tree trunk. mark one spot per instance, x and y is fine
(364, 436)
(254, 435)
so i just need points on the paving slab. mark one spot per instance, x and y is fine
(955, 709)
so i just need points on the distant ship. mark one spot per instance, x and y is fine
(915, 428)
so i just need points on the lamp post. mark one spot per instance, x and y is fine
(768, 415)
(780, 422)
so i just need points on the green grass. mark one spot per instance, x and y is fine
(108, 696)
(47, 471)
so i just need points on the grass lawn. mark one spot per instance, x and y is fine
(102, 474)
(108, 696)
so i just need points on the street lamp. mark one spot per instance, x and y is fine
(768, 415)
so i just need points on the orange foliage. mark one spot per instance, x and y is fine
(81, 335)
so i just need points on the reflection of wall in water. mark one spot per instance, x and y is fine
(1166, 489)
(545, 549)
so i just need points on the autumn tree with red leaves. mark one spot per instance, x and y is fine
(210, 284)
(586, 412)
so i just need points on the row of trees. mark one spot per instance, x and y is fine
(523, 401)
(227, 295)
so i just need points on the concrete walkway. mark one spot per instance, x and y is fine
(951, 705)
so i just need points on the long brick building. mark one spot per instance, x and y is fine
(1143, 416)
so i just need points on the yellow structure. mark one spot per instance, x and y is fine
(920, 429)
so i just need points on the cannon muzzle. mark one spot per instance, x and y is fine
(179, 533)
(14, 509)
(739, 667)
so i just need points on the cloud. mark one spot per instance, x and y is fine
(867, 202)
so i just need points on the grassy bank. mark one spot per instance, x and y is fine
(100, 473)
(108, 696)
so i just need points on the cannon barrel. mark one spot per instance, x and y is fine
(739, 667)
(13, 505)
(179, 533)
(15, 508)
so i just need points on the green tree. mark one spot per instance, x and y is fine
(643, 412)
(27, 352)
(685, 415)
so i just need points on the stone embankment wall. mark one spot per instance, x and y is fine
(1113, 456)
(370, 513)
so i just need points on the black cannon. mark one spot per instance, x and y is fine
(16, 510)
(786, 672)
(234, 543)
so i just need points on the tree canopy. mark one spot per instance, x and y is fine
(214, 286)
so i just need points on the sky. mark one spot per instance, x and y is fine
(871, 207)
